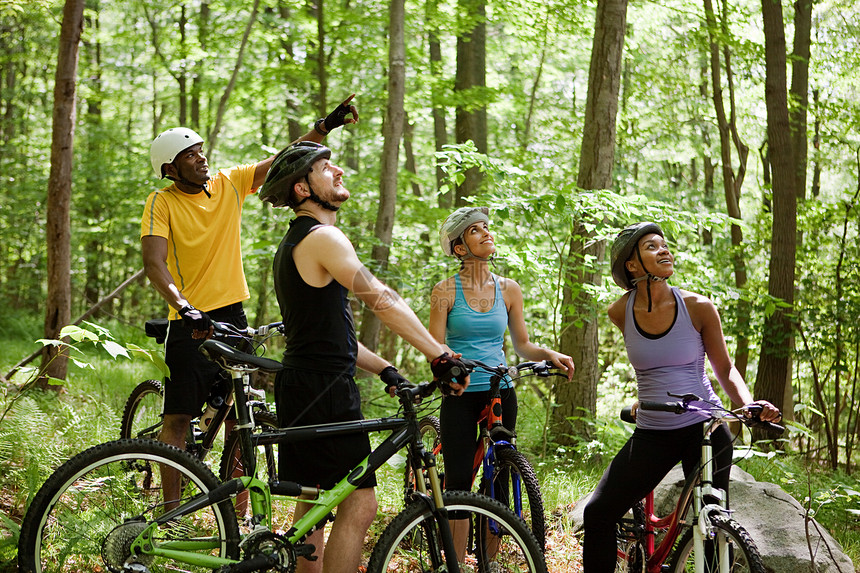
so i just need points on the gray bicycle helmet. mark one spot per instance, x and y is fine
(622, 249)
(456, 224)
(291, 165)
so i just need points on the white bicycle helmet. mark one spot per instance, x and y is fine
(456, 224)
(167, 146)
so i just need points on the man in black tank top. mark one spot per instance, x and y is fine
(315, 268)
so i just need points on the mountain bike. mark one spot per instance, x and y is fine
(697, 536)
(142, 415)
(103, 509)
(506, 471)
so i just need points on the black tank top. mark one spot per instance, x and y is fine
(319, 327)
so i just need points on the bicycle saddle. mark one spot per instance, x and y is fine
(227, 356)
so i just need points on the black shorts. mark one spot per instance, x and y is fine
(305, 398)
(191, 373)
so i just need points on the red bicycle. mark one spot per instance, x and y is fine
(697, 536)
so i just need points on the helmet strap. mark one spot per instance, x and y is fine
(470, 255)
(184, 181)
(648, 277)
(316, 198)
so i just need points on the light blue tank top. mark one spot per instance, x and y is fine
(478, 335)
(670, 362)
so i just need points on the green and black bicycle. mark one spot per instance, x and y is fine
(103, 510)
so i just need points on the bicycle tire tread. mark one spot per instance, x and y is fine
(134, 399)
(733, 530)
(56, 485)
(531, 485)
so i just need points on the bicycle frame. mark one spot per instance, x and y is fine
(691, 501)
(494, 435)
(404, 433)
(203, 441)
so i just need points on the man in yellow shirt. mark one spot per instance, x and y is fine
(190, 240)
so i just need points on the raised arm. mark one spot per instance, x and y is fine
(335, 119)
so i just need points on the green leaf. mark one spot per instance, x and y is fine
(80, 364)
(78, 334)
(114, 349)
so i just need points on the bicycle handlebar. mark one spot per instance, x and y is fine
(414, 392)
(749, 416)
(542, 368)
(227, 330)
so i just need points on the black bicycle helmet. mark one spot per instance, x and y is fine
(291, 164)
(622, 249)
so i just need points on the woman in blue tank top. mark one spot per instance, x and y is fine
(470, 313)
(667, 333)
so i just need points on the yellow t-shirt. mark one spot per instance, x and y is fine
(204, 254)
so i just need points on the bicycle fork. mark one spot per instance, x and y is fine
(703, 530)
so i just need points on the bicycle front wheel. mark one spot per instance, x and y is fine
(431, 436)
(516, 486)
(496, 539)
(141, 417)
(87, 514)
(732, 544)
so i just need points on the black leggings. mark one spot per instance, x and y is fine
(459, 420)
(636, 470)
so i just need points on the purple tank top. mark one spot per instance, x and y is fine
(670, 362)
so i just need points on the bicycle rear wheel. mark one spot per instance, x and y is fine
(630, 536)
(731, 540)
(141, 417)
(511, 470)
(498, 541)
(89, 511)
(431, 435)
(267, 461)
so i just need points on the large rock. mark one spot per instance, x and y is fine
(774, 519)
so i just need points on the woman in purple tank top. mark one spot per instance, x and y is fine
(667, 333)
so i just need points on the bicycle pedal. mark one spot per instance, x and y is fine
(307, 551)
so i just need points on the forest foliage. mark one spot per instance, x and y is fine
(149, 65)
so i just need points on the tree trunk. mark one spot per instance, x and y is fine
(732, 181)
(392, 132)
(182, 75)
(774, 372)
(411, 164)
(93, 209)
(440, 128)
(197, 81)
(527, 124)
(578, 397)
(58, 306)
(800, 92)
(294, 128)
(318, 11)
(471, 121)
